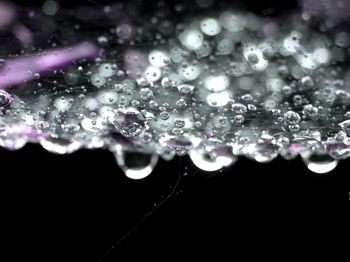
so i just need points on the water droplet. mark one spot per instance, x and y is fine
(5, 99)
(60, 145)
(136, 165)
(319, 163)
(292, 117)
(345, 125)
(129, 122)
(210, 26)
(212, 158)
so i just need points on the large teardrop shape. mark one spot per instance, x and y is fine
(136, 165)
(319, 163)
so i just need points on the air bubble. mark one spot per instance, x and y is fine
(210, 26)
(5, 99)
(98, 80)
(158, 58)
(192, 39)
(129, 122)
(216, 83)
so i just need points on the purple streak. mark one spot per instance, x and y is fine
(22, 33)
(7, 14)
(27, 130)
(20, 70)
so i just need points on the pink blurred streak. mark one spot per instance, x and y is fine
(20, 70)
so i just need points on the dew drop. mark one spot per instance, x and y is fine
(5, 99)
(319, 163)
(136, 165)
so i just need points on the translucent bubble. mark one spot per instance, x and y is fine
(210, 26)
(219, 99)
(232, 22)
(50, 7)
(204, 3)
(129, 122)
(306, 61)
(185, 89)
(212, 159)
(153, 73)
(5, 99)
(342, 39)
(107, 70)
(321, 55)
(274, 85)
(216, 83)
(124, 31)
(146, 94)
(165, 122)
(254, 57)
(265, 150)
(12, 141)
(292, 117)
(92, 125)
(224, 47)
(310, 111)
(175, 79)
(345, 125)
(106, 112)
(204, 51)
(102, 40)
(62, 104)
(158, 58)
(290, 45)
(192, 39)
(246, 83)
(222, 123)
(189, 72)
(238, 120)
(60, 146)
(239, 108)
(92, 103)
(176, 54)
(98, 80)
(338, 149)
(107, 97)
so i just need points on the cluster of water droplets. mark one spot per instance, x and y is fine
(213, 87)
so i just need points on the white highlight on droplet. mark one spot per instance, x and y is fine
(322, 168)
(198, 158)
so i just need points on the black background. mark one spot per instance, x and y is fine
(77, 207)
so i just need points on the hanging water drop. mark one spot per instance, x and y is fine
(136, 165)
(319, 163)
